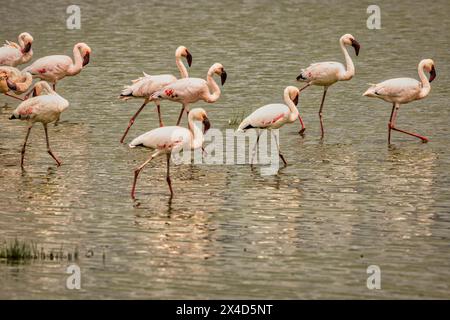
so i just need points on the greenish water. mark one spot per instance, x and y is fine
(309, 232)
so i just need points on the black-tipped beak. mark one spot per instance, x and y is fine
(189, 58)
(27, 48)
(223, 77)
(299, 77)
(86, 59)
(34, 92)
(295, 100)
(206, 125)
(432, 74)
(11, 85)
(356, 45)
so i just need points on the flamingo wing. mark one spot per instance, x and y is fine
(267, 116)
(147, 85)
(186, 89)
(163, 138)
(9, 55)
(322, 72)
(399, 87)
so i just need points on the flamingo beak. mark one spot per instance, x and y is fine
(11, 85)
(223, 77)
(189, 58)
(35, 92)
(206, 125)
(295, 100)
(432, 74)
(356, 45)
(27, 48)
(86, 59)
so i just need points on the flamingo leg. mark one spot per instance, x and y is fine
(58, 162)
(24, 146)
(254, 148)
(132, 121)
(10, 95)
(136, 174)
(56, 121)
(302, 130)
(278, 148)
(392, 125)
(169, 181)
(181, 114)
(325, 89)
(158, 107)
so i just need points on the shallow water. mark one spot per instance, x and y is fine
(309, 232)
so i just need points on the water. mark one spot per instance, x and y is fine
(309, 232)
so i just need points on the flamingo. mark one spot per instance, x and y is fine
(13, 79)
(56, 67)
(273, 116)
(191, 90)
(404, 90)
(145, 86)
(13, 54)
(45, 106)
(327, 73)
(166, 140)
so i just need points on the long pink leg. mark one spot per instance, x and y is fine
(181, 114)
(161, 124)
(320, 112)
(132, 121)
(396, 107)
(254, 148)
(58, 163)
(10, 95)
(302, 130)
(24, 146)
(136, 174)
(279, 151)
(390, 124)
(169, 181)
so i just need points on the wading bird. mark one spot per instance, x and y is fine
(166, 140)
(12, 79)
(273, 116)
(145, 86)
(191, 90)
(327, 73)
(404, 90)
(13, 54)
(45, 106)
(54, 68)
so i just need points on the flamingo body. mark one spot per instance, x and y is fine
(13, 54)
(271, 116)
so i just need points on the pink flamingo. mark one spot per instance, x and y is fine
(12, 79)
(45, 106)
(327, 73)
(191, 90)
(166, 140)
(145, 86)
(273, 116)
(56, 67)
(13, 54)
(404, 90)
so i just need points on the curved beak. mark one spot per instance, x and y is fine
(295, 100)
(223, 77)
(189, 58)
(27, 48)
(11, 85)
(35, 92)
(432, 74)
(356, 45)
(86, 59)
(206, 125)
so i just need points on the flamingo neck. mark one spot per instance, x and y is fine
(212, 85)
(197, 134)
(23, 86)
(77, 65)
(426, 87)
(181, 67)
(293, 115)
(350, 67)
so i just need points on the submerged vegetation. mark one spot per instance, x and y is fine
(24, 250)
(237, 117)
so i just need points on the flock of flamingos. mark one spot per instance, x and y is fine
(45, 105)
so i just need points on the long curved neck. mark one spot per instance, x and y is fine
(350, 67)
(77, 64)
(212, 85)
(181, 67)
(197, 134)
(426, 87)
(292, 108)
(23, 86)
(21, 43)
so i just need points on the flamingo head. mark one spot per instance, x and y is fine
(293, 93)
(199, 114)
(428, 65)
(27, 41)
(218, 69)
(350, 40)
(85, 52)
(182, 51)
